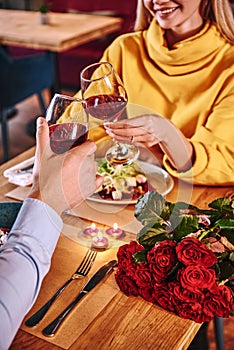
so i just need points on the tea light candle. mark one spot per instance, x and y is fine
(100, 242)
(115, 231)
(91, 231)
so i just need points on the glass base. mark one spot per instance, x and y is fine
(122, 154)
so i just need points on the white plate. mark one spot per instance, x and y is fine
(158, 178)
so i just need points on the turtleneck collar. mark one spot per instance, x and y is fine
(187, 55)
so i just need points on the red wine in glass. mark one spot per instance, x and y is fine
(68, 123)
(105, 98)
(106, 107)
(65, 136)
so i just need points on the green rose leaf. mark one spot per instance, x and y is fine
(152, 208)
(140, 257)
(220, 204)
(225, 223)
(184, 225)
(148, 236)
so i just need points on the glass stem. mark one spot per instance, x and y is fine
(121, 150)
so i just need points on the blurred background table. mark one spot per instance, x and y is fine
(64, 31)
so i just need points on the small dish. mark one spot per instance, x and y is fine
(158, 178)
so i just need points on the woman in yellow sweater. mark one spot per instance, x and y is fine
(179, 64)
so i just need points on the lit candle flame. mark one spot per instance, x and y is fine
(99, 235)
(93, 226)
(115, 226)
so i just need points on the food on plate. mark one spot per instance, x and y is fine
(3, 235)
(122, 182)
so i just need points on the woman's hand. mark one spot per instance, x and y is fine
(151, 130)
(138, 130)
(63, 180)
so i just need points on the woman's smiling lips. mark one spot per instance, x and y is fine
(165, 11)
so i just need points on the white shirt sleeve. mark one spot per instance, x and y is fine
(24, 260)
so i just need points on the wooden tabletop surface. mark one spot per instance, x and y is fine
(106, 318)
(64, 31)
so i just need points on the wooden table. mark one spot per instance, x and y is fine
(106, 319)
(65, 30)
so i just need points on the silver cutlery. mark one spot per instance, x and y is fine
(81, 272)
(51, 329)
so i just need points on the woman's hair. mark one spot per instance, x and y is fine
(218, 11)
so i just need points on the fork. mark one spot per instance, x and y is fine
(81, 272)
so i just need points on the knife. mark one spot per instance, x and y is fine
(51, 329)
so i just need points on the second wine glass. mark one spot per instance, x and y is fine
(105, 98)
(68, 123)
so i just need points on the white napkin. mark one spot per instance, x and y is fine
(17, 177)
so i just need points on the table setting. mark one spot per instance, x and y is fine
(81, 272)
(107, 296)
(86, 310)
(107, 293)
(124, 183)
(127, 240)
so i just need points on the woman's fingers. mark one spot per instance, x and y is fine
(135, 130)
(126, 132)
(138, 126)
(126, 123)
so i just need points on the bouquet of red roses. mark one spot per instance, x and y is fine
(183, 259)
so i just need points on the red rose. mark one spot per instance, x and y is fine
(147, 294)
(161, 259)
(142, 275)
(184, 294)
(193, 311)
(125, 257)
(164, 297)
(191, 251)
(196, 278)
(126, 283)
(220, 303)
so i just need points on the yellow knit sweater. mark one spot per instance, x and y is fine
(192, 85)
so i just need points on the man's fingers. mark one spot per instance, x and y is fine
(42, 129)
(42, 135)
(86, 149)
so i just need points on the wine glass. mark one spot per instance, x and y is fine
(105, 98)
(68, 123)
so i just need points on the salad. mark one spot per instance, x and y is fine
(122, 182)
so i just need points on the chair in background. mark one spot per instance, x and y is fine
(21, 78)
